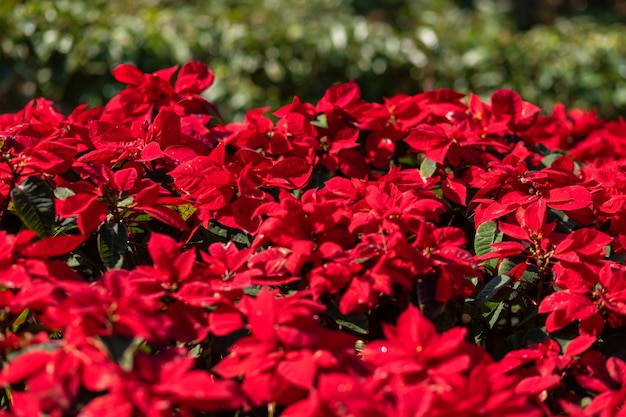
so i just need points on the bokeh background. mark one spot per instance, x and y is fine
(266, 51)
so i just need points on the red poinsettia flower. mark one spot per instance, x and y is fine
(287, 349)
(158, 385)
(148, 92)
(337, 395)
(414, 349)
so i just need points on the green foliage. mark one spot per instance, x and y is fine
(491, 289)
(64, 50)
(112, 244)
(33, 200)
(487, 234)
(356, 324)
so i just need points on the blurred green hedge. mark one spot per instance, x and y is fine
(266, 51)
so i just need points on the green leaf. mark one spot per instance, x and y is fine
(486, 235)
(490, 289)
(185, 210)
(495, 316)
(34, 203)
(505, 266)
(427, 168)
(253, 290)
(563, 223)
(551, 157)
(565, 336)
(112, 244)
(512, 342)
(225, 234)
(357, 324)
(62, 193)
(122, 349)
(21, 319)
(49, 347)
(321, 121)
(614, 345)
(127, 202)
(527, 281)
(543, 149)
(408, 161)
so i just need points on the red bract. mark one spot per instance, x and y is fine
(338, 394)
(180, 265)
(119, 304)
(148, 92)
(212, 182)
(158, 385)
(606, 141)
(34, 142)
(564, 128)
(389, 123)
(604, 296)
(54, 374)
(452, 264)
(454, 143)
(415, 350)
(122, 193)
(287, 349)
(605, 376)
(486, 391)
(24, 262)
(441, 374)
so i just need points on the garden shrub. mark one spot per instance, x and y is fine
(433, 254)
(65, 50)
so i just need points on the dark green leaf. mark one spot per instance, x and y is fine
(563, 223)
(425, 290)
(357, 324)
(614, 345)
(496, 316)
(512, 342)
(408, 161)
(112, 244)
(491, 289)
(253, 290)
(535, 336)
(34, 202)
(529, 316)
(487, 234)
(505, 266)
(122, 349)
(219, 233)
(528, 280)
(543, 149)
(565, 336)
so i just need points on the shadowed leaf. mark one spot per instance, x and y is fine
(112, 244)
(34, 203)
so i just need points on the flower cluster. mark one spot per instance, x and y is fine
(431, 255)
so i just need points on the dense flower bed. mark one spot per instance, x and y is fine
(428, 255)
